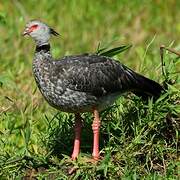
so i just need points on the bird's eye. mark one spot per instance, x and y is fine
(33, 27)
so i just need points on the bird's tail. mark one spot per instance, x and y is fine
(145, 87)
(148, 88)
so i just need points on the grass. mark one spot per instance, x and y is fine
(138, 140)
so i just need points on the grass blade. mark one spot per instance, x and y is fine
(114, 51)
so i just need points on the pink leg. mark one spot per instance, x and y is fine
(95, 128)
(77, 140)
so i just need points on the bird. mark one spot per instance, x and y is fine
(82, 83)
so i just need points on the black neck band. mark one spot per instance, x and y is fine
(45, 47)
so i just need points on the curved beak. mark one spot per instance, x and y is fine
(24, 33)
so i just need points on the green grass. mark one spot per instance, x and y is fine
(138, 140)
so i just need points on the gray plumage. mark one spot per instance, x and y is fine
(83, 82)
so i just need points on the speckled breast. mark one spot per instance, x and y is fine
(57, 94)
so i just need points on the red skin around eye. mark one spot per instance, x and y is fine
(32, 28)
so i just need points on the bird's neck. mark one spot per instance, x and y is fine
(42, 63)
(45, 48)
(43, 53)
(42, 56)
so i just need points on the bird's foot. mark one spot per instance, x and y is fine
(74, 155)
(96, 158)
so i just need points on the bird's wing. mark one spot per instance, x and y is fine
(97, 75)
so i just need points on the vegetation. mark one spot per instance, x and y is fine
(139, 140)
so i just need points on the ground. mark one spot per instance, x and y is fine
(139, 140)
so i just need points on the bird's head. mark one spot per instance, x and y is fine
(39, 31)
